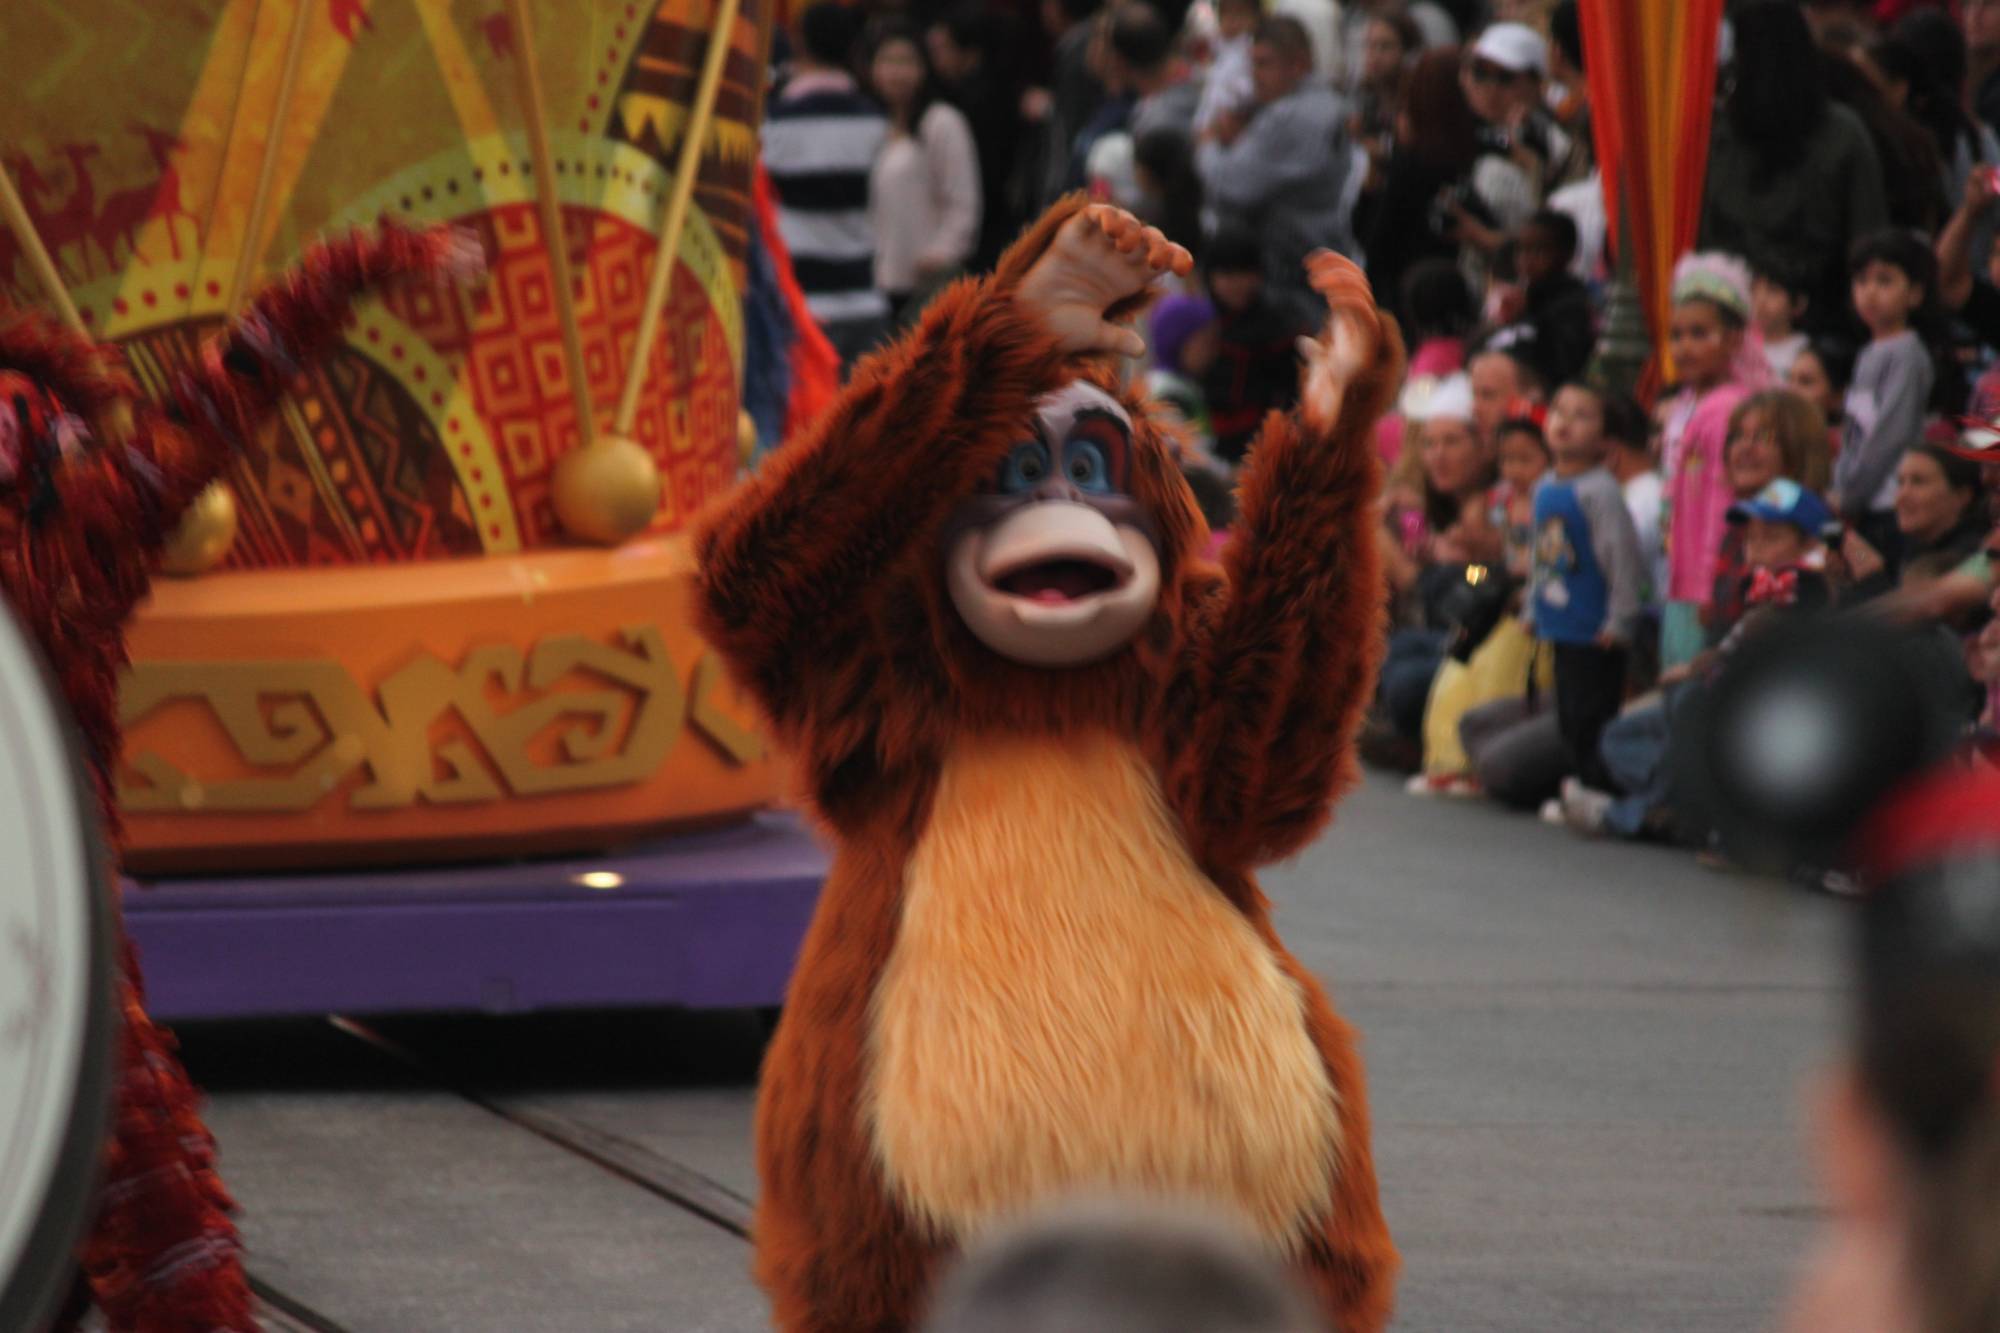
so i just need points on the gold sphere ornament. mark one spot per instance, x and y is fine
(205, 533)
(607, 491)
(746, 437)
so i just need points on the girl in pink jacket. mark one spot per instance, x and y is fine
(1719, 364)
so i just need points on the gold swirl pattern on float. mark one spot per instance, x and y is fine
(313, 719)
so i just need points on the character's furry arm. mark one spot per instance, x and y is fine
(1283, 655)
(224, 398)
(813, 574)
(148, 475)
(112, 504)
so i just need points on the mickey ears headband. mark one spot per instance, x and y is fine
(1526, 409)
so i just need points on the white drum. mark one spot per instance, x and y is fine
(57, 1009)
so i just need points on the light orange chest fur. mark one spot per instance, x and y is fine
(1071, 1004)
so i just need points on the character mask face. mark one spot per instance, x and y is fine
(1057, 565)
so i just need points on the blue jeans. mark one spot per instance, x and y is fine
(1405, 687)
(1634, 749)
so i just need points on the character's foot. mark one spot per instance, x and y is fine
(1101, 257)
(1352, 337)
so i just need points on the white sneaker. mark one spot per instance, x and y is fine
(1583, 807)
(1419, 785)
(1552, 812)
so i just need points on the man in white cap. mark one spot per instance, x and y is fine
(1503, 81)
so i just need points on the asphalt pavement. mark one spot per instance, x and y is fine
(1587, 1064)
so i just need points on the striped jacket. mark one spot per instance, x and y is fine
(821, 135)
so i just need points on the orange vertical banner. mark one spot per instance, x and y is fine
(1651, 65)
(1701, 26)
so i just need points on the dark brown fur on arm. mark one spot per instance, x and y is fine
(1284, 656)
(128, 493)
(84, 528)
(813, 572)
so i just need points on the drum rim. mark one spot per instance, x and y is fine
(48, 1264)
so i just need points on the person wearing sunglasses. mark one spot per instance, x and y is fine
(1500, 76)
(1503, 76)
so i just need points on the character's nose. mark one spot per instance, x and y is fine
(1056, 487)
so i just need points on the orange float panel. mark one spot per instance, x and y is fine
(546, 702)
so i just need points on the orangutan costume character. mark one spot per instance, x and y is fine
(1051, 743)
(93, 481)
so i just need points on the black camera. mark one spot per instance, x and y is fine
(1472, 607)
(1459, 196)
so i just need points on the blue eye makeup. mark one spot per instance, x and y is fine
(1085, 467)
(1094, 456)
(1026, 468)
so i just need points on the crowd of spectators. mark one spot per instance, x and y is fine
(1576, 563)
(1569, 568)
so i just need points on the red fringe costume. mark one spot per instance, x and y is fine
(822, 583)
(82, 523)
(815, 366)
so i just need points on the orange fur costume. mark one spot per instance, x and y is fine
(1040, 961)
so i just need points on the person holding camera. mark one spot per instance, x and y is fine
(1437, 143)
(1435, 524)
(1518, 142)
(1490, 654)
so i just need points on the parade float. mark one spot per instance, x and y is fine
(421, 721)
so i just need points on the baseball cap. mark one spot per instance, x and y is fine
(1784, 501)
(1513, 46)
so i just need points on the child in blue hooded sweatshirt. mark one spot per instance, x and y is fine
(1589, 577)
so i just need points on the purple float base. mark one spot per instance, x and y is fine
(705, 920)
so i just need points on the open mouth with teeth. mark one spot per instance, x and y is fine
(1055, 582)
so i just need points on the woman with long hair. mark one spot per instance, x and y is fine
(1391, 40)
(1435, 523)
(1939, 517)
(924, 200)
(1437, 143)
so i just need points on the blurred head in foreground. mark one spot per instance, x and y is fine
(1840, 743)
(1112, 1267)
(1908, 1125)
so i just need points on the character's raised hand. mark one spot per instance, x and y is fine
(1350, 341)
(1101, 257)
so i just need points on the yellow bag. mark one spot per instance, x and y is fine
(1499, 669)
